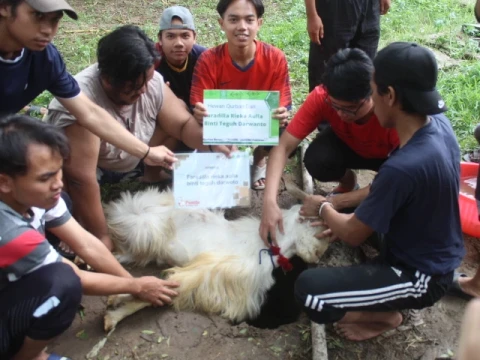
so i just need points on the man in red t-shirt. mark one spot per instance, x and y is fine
(243, 63)
(354, 139)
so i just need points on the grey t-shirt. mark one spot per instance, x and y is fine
(139, 119)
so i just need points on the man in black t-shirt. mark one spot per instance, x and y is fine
(176, 44)
(413, 203)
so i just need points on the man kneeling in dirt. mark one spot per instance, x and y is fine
(353, 140)
(39, 290)
(123, 82)
(413, 201)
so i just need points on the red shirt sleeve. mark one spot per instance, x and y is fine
(282, 81)
(309, 115)
(203, 76)
(20, 247)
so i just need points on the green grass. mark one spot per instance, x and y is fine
(433, 23)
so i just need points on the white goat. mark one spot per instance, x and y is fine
(218, 263)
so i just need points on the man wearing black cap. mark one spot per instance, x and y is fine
(413, 202)
(30, 64)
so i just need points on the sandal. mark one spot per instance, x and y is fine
(67, 254)
(258, 174)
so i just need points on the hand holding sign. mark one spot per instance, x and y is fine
(211, 180)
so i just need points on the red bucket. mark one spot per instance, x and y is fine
(468, 206)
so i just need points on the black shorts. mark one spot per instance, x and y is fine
(327, 294)
(40, 305)
(346, 23)
(328, 158)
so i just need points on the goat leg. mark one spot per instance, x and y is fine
(119, 307)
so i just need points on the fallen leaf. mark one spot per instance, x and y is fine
(276, 349)
(82, 335)
(96, 349)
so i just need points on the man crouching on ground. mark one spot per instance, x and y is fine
(413, 201)
(123, 82)
(39, 290)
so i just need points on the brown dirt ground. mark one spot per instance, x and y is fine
(162, 333)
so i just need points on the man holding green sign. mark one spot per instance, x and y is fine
(242, 63)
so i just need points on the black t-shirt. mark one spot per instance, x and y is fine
(181, 81)
(413, 200)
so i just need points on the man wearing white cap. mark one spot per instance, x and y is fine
(30, 64)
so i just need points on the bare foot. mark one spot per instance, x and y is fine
(367, 330)
(468, 286)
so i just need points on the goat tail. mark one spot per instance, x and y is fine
(140, 225)
(220, 284)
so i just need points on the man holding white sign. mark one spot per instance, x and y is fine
(242, 63)
(123, 82)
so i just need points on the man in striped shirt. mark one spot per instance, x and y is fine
(39, 290)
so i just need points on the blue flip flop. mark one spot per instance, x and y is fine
(57, 357)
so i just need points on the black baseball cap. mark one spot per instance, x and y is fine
(412, 70)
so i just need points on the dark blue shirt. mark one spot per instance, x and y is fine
(180, 81)
(26, 77)
(413, 200)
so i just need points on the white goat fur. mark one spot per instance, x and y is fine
(216, 261)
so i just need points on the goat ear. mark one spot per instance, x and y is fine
(295, 191)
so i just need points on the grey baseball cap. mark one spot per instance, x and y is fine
(46, 6)
(176, 11)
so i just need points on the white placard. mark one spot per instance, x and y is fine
(211, 180)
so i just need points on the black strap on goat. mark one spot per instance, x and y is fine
(269, 252)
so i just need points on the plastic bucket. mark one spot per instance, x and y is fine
(468, 207)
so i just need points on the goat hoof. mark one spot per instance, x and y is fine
(108, 323)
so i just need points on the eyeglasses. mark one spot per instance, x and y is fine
(344, 110)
